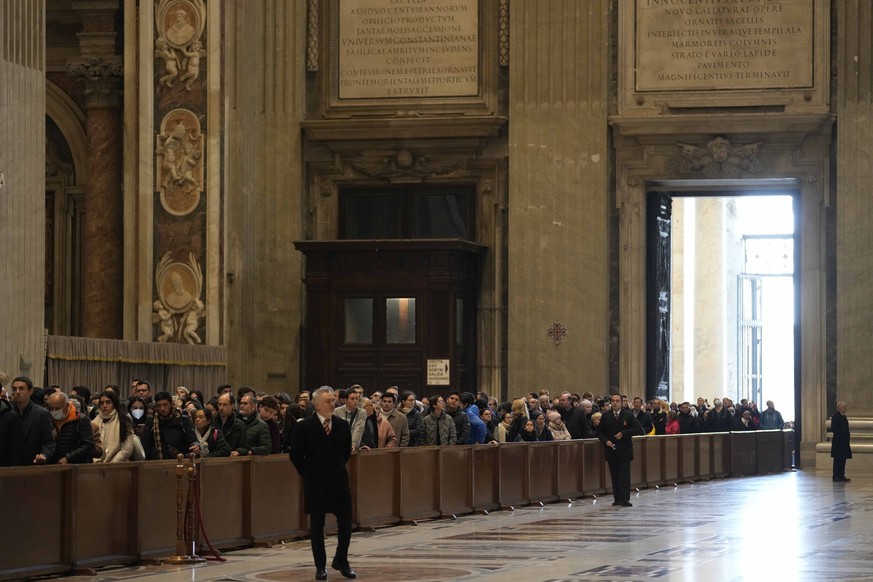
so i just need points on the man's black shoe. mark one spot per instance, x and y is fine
(845, 479)
(344, 569)
(320, 574)
(626, 504)
(840, 479)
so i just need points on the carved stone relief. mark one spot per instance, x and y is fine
(179, 162)
(720, 158)
(405, 164)
(180, 25)
(179, 307)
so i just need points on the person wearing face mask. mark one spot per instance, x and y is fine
(74, 439)
(116, 430)
(137, 408)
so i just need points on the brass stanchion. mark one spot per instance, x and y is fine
(186, 520)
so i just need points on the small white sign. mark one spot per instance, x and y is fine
(438, 373)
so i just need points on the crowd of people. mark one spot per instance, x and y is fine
(53, 426)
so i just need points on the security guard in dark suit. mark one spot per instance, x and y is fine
(617, 428)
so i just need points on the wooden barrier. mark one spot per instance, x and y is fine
(486, 478)
(276, 508)
(569, 463)
(419, 483)
(99, 515)
(456, 480)
(512, 468)
(542, 472)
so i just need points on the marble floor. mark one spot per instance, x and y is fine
(790, 526)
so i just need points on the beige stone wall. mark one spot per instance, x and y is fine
(264, 192)
(854, 109)
(558, 195)
(22, 198)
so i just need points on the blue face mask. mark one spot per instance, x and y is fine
(137, 413)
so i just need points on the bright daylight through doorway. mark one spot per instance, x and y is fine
(732, 308)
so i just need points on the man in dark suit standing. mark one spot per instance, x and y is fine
(320, 448)
(840, 449)
(617, 427)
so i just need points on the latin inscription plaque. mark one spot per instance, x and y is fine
(408, 48)
(723, 44)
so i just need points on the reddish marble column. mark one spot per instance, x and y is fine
(102, 265)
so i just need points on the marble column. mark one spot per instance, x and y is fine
(102, 266)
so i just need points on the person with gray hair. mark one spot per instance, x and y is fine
(74, 440)
(320, 449)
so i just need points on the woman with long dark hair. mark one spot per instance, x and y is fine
(116, 430)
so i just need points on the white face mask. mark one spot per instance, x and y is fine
(58, 414)
(137, 413)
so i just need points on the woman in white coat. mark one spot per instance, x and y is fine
(116, 430)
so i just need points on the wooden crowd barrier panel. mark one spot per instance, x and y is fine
(486, 478)
(277, 500)
(654, 460)
(542, 472)
(105, 533)
(721, 453)
(743, 453)
(672, 450)
(513, 474)
(595, 475)
(456, 480)
(704, 456)
(688, 458)
(638, 465)
(419, 483)
(768, 451)
(225, 497)
(156, 509)
(375, 488)
(569, 460)
(37, 516)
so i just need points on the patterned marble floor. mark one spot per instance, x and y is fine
(791, 526)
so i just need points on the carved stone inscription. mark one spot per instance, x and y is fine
(723, 44)
(408, 48)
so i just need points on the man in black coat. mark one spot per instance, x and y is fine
(168, 433)
(320, 449)
(616, 431)
(840, 448)
(10, 431)
(36, 442)
(574, 417)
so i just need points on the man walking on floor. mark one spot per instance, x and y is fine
(616, 430)
(320, 448)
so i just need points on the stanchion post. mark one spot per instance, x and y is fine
(186, 523)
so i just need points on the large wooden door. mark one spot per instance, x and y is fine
(378, 311)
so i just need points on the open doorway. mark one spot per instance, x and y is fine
(721, 297)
